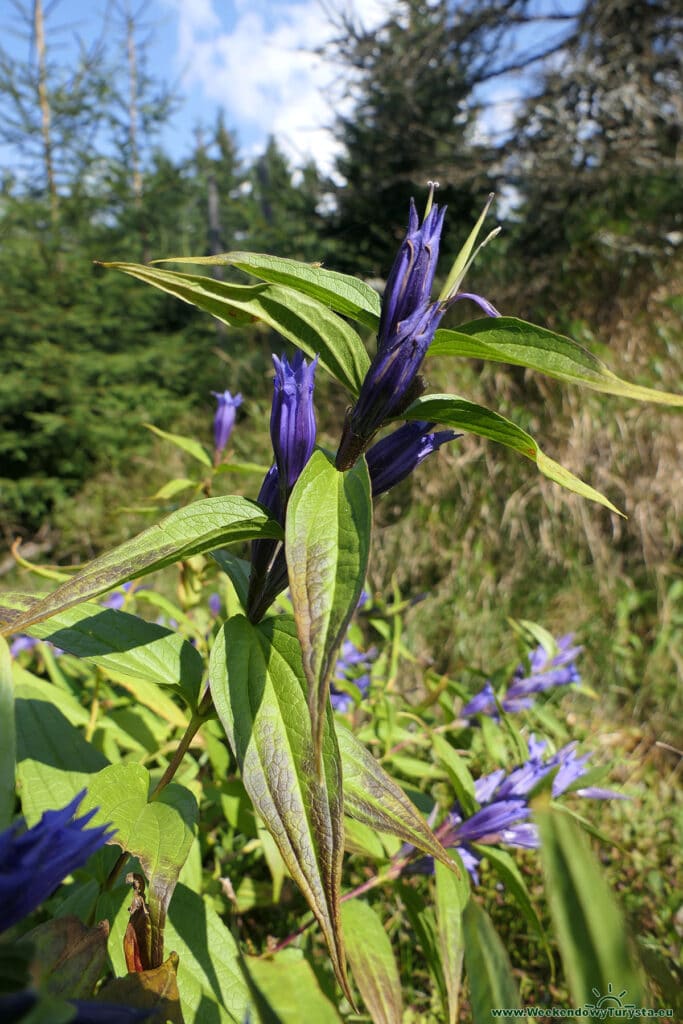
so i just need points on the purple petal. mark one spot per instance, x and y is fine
(483, 303)
(224, 420)
(395, 457)
(34, 861)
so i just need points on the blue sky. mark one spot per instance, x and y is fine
(252, 58)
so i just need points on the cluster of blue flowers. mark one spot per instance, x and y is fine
(353, 667)
(408, 322)
(544, 673)
(503, 798)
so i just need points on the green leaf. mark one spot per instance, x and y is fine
(54, 761)
(238, 571)
(8, 743)
(509, 340)
(187, 444)
(590, 929)
(452, 894)
(327, 543)
(458, 773)
(292, 989)
(174, 487)
(303, 320)
(198, 527)
(257, 684)
(159, 834)
(345, 294)
(504, 866)
(453, 411)
(372, 962)
(492, 985)
(120, 643)
(373, 798)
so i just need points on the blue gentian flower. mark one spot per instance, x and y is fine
(117, 598)
(408, 322)
(395, 457)
(544, 673)
(292, 432)
(15, 1006)
(215, 604)
(22, 643)
(353, 666)
(502, 817)
(224, 420)
(34, 861)
(292, 417)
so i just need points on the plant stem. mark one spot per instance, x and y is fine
(195, 723)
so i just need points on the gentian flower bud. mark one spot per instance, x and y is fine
(34, 861)
(292, 417)
(292, 431)
(408, 322)
(224, 419)
(395, 457)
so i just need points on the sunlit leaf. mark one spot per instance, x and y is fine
(509, 340)
(590, 929)
(372, 962)
(373, 798)
(201, 526)
(159, 833)
(452, 894)
(121, 643)
(303, 320)
(258, 689)
(491, 982)
(342, 292)
(327, 543)
(452, 411)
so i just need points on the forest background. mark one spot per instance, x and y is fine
(588, 177)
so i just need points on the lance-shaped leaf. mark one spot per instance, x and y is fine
(327, 543)
(457, 412)
(506, 339)
(120, 643)
(505, 866)
(8, 742)
(187, 444)
(373, 798)
(452, 894)
(258, 689)
(201, 526)
(159, 833)
(342, 292)
(492, 984)
(590, 930)
(303, 320)
(372, 962)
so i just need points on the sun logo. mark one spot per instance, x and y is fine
(610, 1000)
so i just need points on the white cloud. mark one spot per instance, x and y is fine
(263, 71)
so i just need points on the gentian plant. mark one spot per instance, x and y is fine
(225, 737)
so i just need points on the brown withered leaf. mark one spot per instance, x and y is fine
(138, 938)
(69, 956)
(149, 990)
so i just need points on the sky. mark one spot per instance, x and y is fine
(254, 59)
